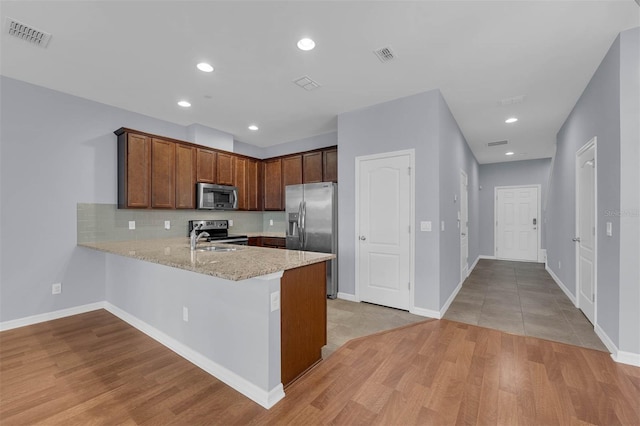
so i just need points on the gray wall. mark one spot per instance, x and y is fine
(597, 113)
(455, 155)
(629, 191)
(299, 145)
(422, 122)
(526, 172)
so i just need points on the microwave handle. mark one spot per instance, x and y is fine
(234, 203)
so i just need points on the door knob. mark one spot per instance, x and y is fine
(362, 238)
(576, 240)
(463, 234)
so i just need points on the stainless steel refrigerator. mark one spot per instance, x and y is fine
(312, 223)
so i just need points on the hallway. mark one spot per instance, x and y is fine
(521, 298)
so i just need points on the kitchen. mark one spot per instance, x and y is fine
(70, 161)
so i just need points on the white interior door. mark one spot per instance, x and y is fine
(586, 230)
(517, 223)
(464, 226)
(384, 253)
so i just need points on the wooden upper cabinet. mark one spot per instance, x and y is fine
(330, 165)
(185, 177)
(134, 171)
(273, 184)
(312, 167)
(240, 181)
(254, 193)
(292, 170)
(206, 167)
(163, 174)
(225, 169)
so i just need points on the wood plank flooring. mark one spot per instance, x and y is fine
(95, 369)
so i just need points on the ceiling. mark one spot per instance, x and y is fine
(142, 56)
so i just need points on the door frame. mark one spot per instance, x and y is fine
(412, 208)
(593, 142)
(466, 178)
(539, 255)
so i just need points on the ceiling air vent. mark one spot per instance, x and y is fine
(306, 83)
(496, 143)
(385, 54)
(27, 33)
(511, 101)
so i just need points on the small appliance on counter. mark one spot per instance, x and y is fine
(218, 231)
(216, 197)
(312, 223)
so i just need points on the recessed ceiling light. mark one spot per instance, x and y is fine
(508, 153)
(203, 66)
(184, 104)
(253, 127)
(306, 44)
(510, 120)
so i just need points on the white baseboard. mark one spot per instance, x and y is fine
(617, 355)
(265, 398)
(50, 316)
(444, 308)
(542, 256)
(561, 285)
(429, 313)
(347, 296)
(482, 256)
(473, 266)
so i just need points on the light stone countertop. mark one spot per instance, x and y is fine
(244, 263)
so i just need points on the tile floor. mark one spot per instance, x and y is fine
(521, 298)
(515, 297)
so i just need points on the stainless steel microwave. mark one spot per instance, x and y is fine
(217, 197)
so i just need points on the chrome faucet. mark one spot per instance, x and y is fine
(195, 237)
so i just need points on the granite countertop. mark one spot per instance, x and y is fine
(244, 263)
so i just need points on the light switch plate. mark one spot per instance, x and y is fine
(132, 224)
(167, 224)
(185, 314)
(442, 225)
(425, 226)
(56, 288)
(609, 229)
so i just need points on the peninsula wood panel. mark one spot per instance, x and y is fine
(185, 177)
(134, 171)
(303, 319)
(206, 166)
(224, 169)
(163, 173)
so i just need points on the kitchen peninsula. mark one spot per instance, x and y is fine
(253, 317)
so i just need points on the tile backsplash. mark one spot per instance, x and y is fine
(105, 222)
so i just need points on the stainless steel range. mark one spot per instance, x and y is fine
(218, 231)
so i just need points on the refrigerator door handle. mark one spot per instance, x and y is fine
(304, 225)
(300, 224)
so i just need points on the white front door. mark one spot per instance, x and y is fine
(464, 226)
(384, 219)
(517, 223)
(586, 230)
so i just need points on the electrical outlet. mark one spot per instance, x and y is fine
(275, 301)
(270, 222)
(425, 226)
(56, 288)
(185, 314)
(167, 224)
(132, 224)
(230, 223)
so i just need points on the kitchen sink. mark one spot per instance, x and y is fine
(218, 248)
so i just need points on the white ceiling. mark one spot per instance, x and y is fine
(141, 56)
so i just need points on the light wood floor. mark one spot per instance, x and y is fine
(95, 369)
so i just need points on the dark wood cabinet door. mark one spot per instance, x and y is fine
(254, 193)
(292, 170)
(206, 166)
(163, 163)
(185, 177)
(312, 167)
(240, 181)
(224, 169)
(137, 181)
(273, 184)
(330, 165)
